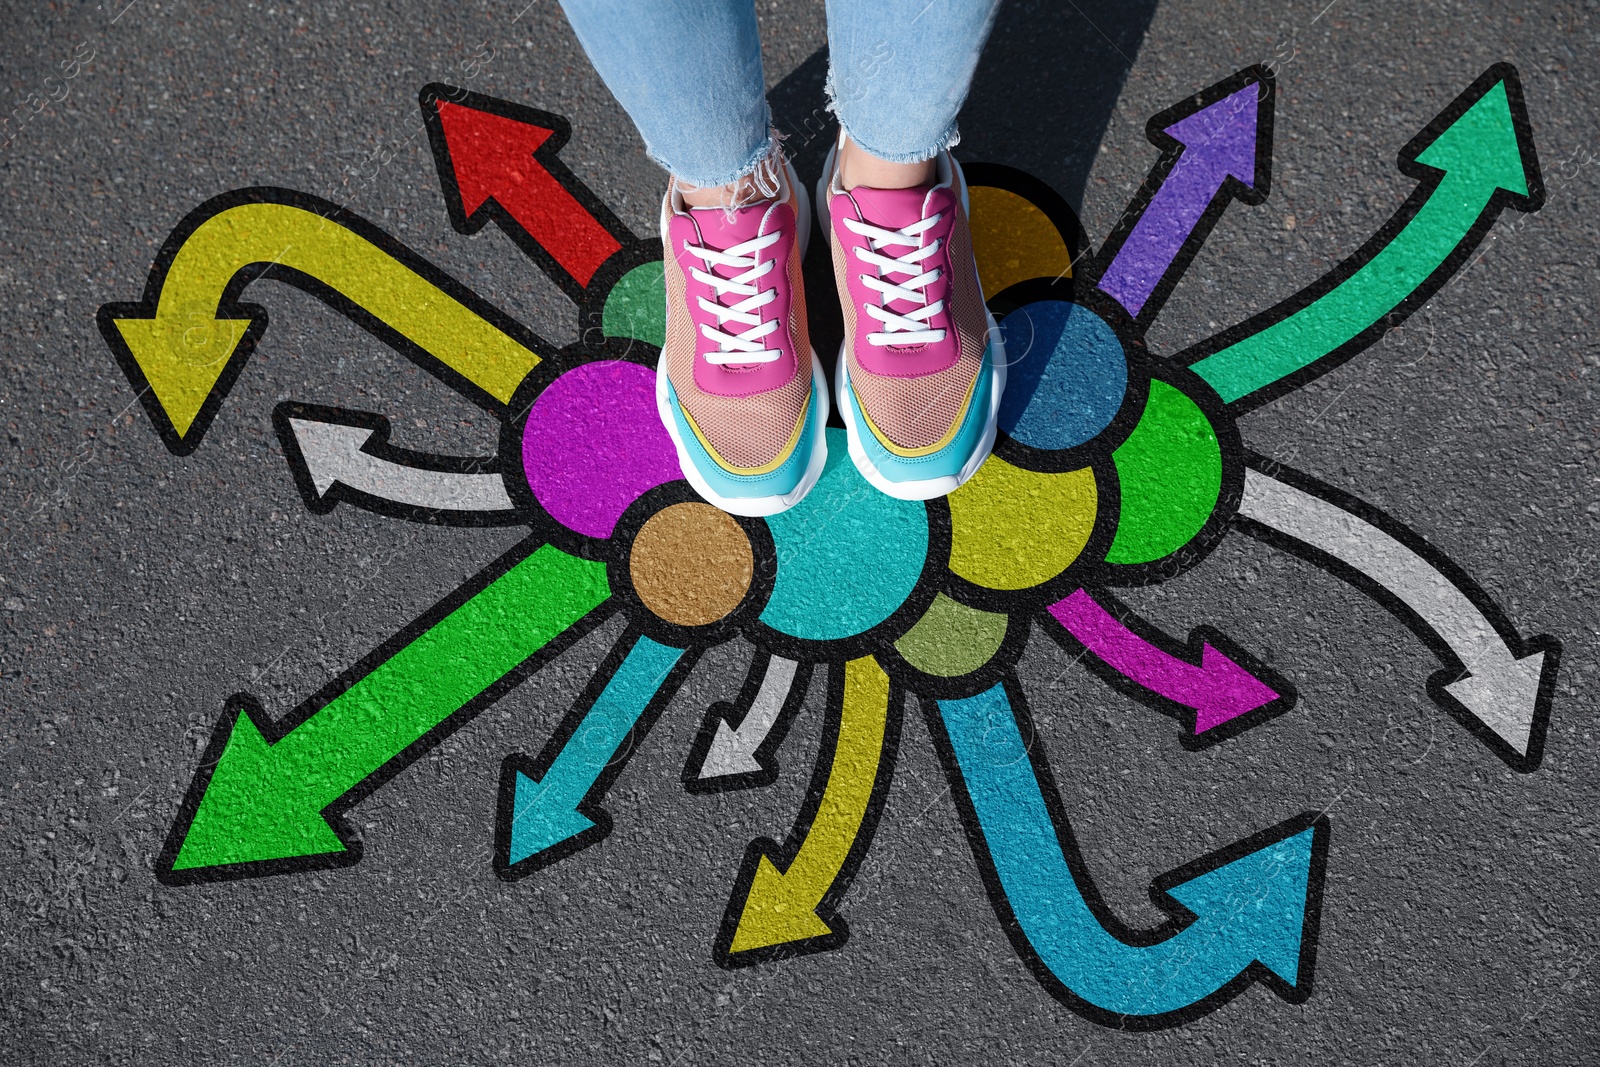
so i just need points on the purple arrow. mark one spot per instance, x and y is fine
(1223, 133)
(1218, 689)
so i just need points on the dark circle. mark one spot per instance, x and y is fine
(1066, 375)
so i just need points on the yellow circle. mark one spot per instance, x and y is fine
(1013, 240)
(1014, 529)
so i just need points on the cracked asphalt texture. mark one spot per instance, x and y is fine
(140, 589)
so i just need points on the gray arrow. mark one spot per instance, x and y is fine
(1500, 690)
(333, 454)
(733, 751)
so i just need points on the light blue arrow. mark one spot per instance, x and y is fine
(547, 811)
(1250, 909)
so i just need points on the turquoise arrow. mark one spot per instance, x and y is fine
(548, 809)
(1474, 159)
(1246, 913)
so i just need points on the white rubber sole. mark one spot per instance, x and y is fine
(751, 507)
(927, 488)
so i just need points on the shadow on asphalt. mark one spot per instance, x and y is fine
(1041, 101)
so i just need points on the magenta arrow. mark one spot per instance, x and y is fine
(1216, 147)
(1218, 689)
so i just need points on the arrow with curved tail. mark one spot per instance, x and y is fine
(268, 796)
(497, 160)
(775, 912)
(549, 807)
(1216, 697)
(184, 345)
(339, 455)
(1247, 913)
(1475, 159)
(736, 745)
(1215, 147)
(1495, 683)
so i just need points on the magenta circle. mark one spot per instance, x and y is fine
(593, 444)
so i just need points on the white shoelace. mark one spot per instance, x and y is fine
(911, 328)
(738, 347)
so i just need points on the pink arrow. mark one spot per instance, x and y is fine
(1218, 690)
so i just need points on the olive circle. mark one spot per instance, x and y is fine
(691, 564)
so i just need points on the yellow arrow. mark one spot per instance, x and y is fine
(780, 910)
(184, 345)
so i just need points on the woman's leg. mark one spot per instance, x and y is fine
(737, 386)
(689, 75)
(900, 70)
(922, 368)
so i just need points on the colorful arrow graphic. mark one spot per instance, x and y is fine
(785, 912)
(1218, 691)
(1247, 913)
(549, 808)
(736, 744)
(497, 160)
(1112, 469)
(340, 455)
(260, 803)
(1475, 159)
(1215, 147)
(183, 346)
(1504, 697)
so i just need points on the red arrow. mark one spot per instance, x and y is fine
(494, 152)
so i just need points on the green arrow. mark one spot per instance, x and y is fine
(1473, 160)
(260, 809)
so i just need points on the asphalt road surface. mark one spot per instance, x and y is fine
(140, 589)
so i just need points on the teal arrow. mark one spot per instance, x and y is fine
(1247, 913)
(257, 804)
(1473, 160)
(549, 809)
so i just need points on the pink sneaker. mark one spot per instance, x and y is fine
(922, 367)
(738, 386)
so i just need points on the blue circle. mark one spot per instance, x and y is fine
(848, 556)
(1065, 374)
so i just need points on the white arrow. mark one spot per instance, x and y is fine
(1503, 691)
(339, 453)
(733, 750)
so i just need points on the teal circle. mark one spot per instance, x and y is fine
(848, 556)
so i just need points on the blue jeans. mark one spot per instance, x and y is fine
(689, 75)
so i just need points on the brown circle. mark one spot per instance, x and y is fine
(691, 564)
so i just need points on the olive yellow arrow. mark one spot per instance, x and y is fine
(185, 343)
(786, 912)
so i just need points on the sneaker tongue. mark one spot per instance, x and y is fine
(893, 209)
(722, 229)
